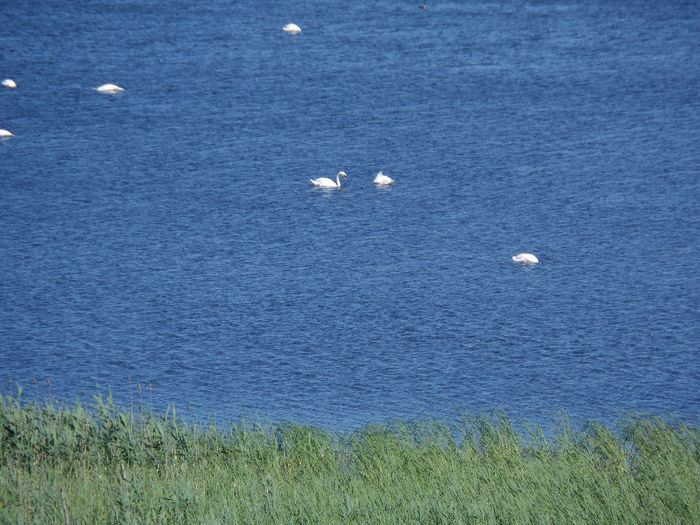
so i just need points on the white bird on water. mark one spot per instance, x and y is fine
(9, 83)
(109, 88)
(525, 258)
(4, 133)
(291, 28)
(383, 180)
(325, 182)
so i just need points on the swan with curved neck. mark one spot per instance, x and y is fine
(325, 182)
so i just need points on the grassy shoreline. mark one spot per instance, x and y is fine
(103, 463)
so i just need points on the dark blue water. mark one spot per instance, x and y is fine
(170, 234)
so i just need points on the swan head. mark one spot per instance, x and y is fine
(342, 174)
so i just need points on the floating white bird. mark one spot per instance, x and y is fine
(383, 180)
(109, 88)
(9, 83)
(325, 182)
(291, 28)
(5, 133)
(525, 258)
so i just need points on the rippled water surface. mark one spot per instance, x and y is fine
(170, 234)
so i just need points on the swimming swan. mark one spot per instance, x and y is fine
(5, 133)
(109, 88)
(9, 83)
(525, 258)
(325, 182)
(383, 180)
(291, 28)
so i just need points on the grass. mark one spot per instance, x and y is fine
(104, 464)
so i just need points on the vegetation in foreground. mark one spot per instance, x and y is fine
(103, 464)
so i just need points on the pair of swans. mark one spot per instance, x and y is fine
(325, 182)
(104, 88)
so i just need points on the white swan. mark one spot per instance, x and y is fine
(325, 182)
(291, 28)
(525, 258)
(5, 133)
(383, 180)
(109, 88)
(9, 83)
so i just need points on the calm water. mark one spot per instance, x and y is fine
(169, 233)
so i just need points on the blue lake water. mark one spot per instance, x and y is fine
(170, 234)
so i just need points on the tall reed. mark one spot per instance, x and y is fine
(102, 463)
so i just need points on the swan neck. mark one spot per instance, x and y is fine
(337, 180)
